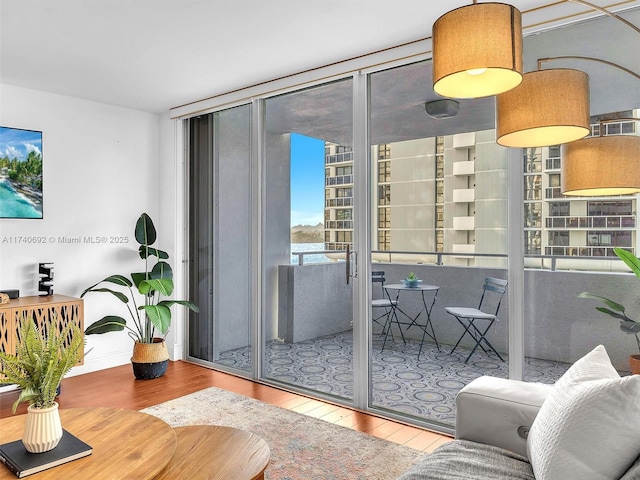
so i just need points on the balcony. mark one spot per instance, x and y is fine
(465, 248)
(339, 157)
(339, 180)
(338, 224)
(314, 344)
(463, 223)
(464, 195)
(612, 222)
(339, 202)
(464, 168)
(581, 251)
(553, 192)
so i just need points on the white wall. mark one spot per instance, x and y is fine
(101, 170)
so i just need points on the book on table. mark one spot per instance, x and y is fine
(16, 458)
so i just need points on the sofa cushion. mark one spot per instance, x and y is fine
(464, 460)
(634, 472)
(589, 425)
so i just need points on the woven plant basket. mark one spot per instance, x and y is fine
(150, 352)
(150, 360)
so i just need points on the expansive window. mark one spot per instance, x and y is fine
(433, 202)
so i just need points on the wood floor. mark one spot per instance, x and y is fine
(116, 387)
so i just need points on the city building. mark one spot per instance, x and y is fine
(426, 200)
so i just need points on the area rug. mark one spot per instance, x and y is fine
(302, 447)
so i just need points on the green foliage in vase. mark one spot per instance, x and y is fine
(155, 282)
(43, 357)
(615, 309)
(412, 276)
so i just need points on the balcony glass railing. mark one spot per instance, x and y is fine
(586, 252)
(339, 224)
(556, 258)
(339, 180)
(590, 222)
(339, 157)
(339, 202)
(553, 192)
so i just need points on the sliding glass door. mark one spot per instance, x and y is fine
(307, 229)
(220, 238)
(439, 212)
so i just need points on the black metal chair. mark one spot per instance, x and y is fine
(468, 317)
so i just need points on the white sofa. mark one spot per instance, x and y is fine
(494, 418)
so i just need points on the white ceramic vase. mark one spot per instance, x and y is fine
(42, 430)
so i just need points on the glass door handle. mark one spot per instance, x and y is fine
(348, 264)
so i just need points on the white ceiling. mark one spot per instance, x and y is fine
(152, 55)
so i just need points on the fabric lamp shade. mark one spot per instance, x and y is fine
(597, 166)
(549, 107)
(477, 51)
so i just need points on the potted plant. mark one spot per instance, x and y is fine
(411, 280)
(153, 315)
(617, 311)
(42, 358)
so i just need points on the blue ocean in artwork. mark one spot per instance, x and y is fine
(14, 204)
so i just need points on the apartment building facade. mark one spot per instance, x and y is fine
(447, 194)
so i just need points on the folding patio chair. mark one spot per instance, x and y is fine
(384, 302)
(469, 317)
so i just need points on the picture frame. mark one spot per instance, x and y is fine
(21, 173)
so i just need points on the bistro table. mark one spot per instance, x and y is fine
(427, 327)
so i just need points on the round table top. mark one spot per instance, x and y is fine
(126, 444)
(217, 453)
(419, 287)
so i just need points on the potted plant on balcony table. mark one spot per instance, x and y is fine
(617, 310)
(42, 358)
(150, 355)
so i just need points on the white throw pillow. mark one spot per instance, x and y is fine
(588, 428)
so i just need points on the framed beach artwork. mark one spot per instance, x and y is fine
(20, 173)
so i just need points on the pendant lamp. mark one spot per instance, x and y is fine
(549, 107)
(477, 51)
(598, 166)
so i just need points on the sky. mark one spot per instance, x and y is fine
(307, 180)
(16, 143)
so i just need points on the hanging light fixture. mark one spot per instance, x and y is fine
(604, 165)
(549, 107)
(477, 50)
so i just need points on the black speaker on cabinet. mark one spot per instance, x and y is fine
(11, 293)
(45, 281)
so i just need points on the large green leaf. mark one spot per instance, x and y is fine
(162, 285)
(119, 295)
(161, 270)
(117, 279)
(619, 316)
(160, 316)
(145, 231)
(146, 252)
(610, 303)
(189, 305)
(110, 323)
(630, 259)
(138, 278)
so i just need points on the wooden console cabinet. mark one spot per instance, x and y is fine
(67, 309)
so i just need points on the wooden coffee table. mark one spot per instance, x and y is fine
(126, 444)
(215, 452)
